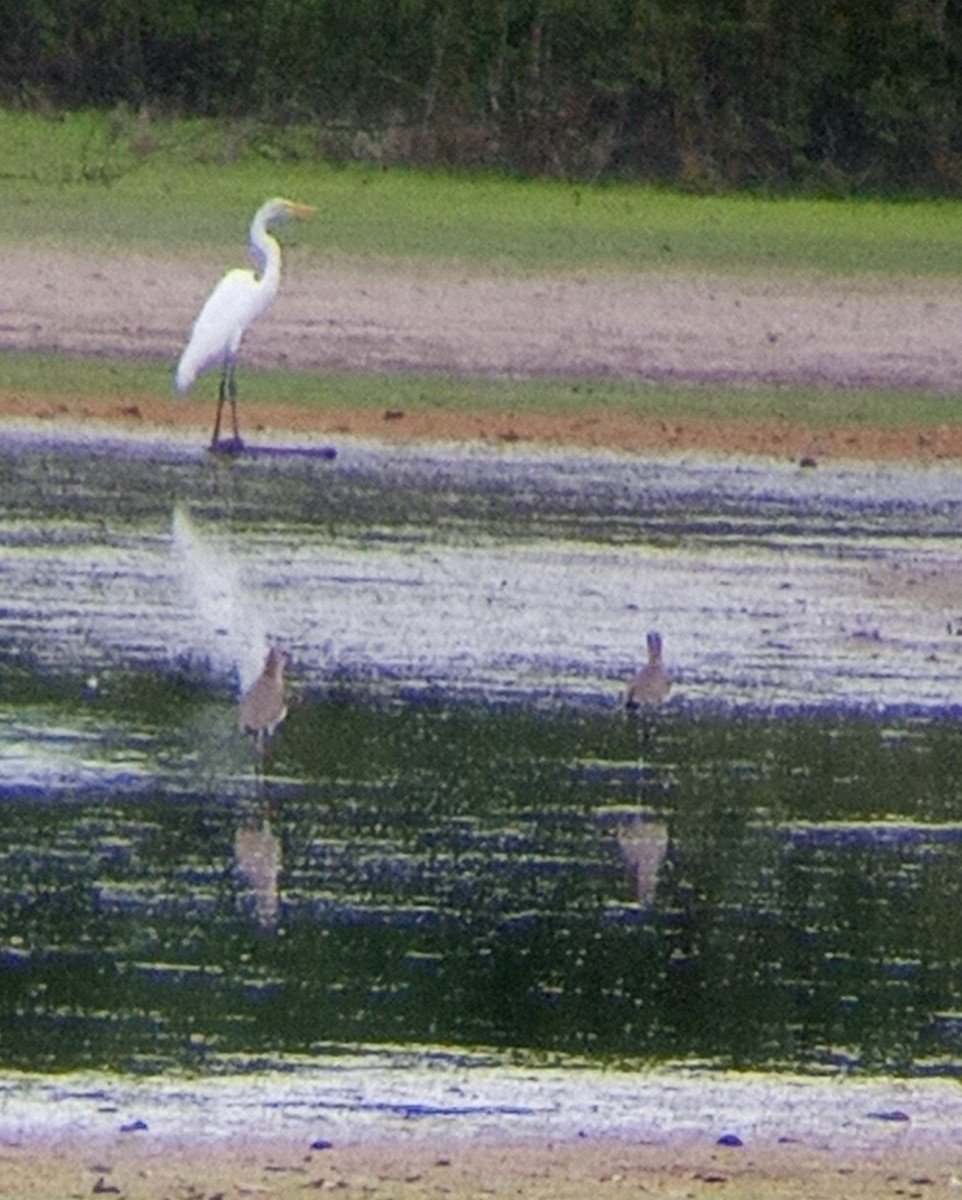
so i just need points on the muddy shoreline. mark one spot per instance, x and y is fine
(663, 1135)
(679, 327)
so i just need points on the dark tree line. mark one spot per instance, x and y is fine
(828, 94)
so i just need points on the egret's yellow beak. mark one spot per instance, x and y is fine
(300, 210)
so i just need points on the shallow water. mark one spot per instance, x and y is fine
(486, 573)
(461, 839)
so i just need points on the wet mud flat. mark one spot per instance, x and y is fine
(657, 1136)
(667, 325)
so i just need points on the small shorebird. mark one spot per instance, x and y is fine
(262, 707)
(649, 688)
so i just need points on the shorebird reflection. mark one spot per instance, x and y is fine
(257, 863)
(643, 843)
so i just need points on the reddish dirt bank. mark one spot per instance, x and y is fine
(616, 430)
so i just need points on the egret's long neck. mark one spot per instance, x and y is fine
(266, 255)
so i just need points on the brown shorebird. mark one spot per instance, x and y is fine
(650, 687)
(262, 707)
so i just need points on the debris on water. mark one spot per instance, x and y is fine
(322, 1144)
(324, 453)
(894, 1114)
(137, 1126)
(729, 1139)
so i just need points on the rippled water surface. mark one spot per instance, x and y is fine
(461, 840)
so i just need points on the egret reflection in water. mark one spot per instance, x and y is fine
(227, 630)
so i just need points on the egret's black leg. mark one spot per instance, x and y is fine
(227, 392)
(232, 396)
(221, 396)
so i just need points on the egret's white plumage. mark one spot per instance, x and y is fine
(650, 687)
(239, 298)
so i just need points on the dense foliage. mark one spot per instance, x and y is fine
(828, 94)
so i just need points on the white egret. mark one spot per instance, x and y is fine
(262, 706)
(650, 687)
(240, 297)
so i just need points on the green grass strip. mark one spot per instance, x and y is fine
(117, 183)
(818, 407)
